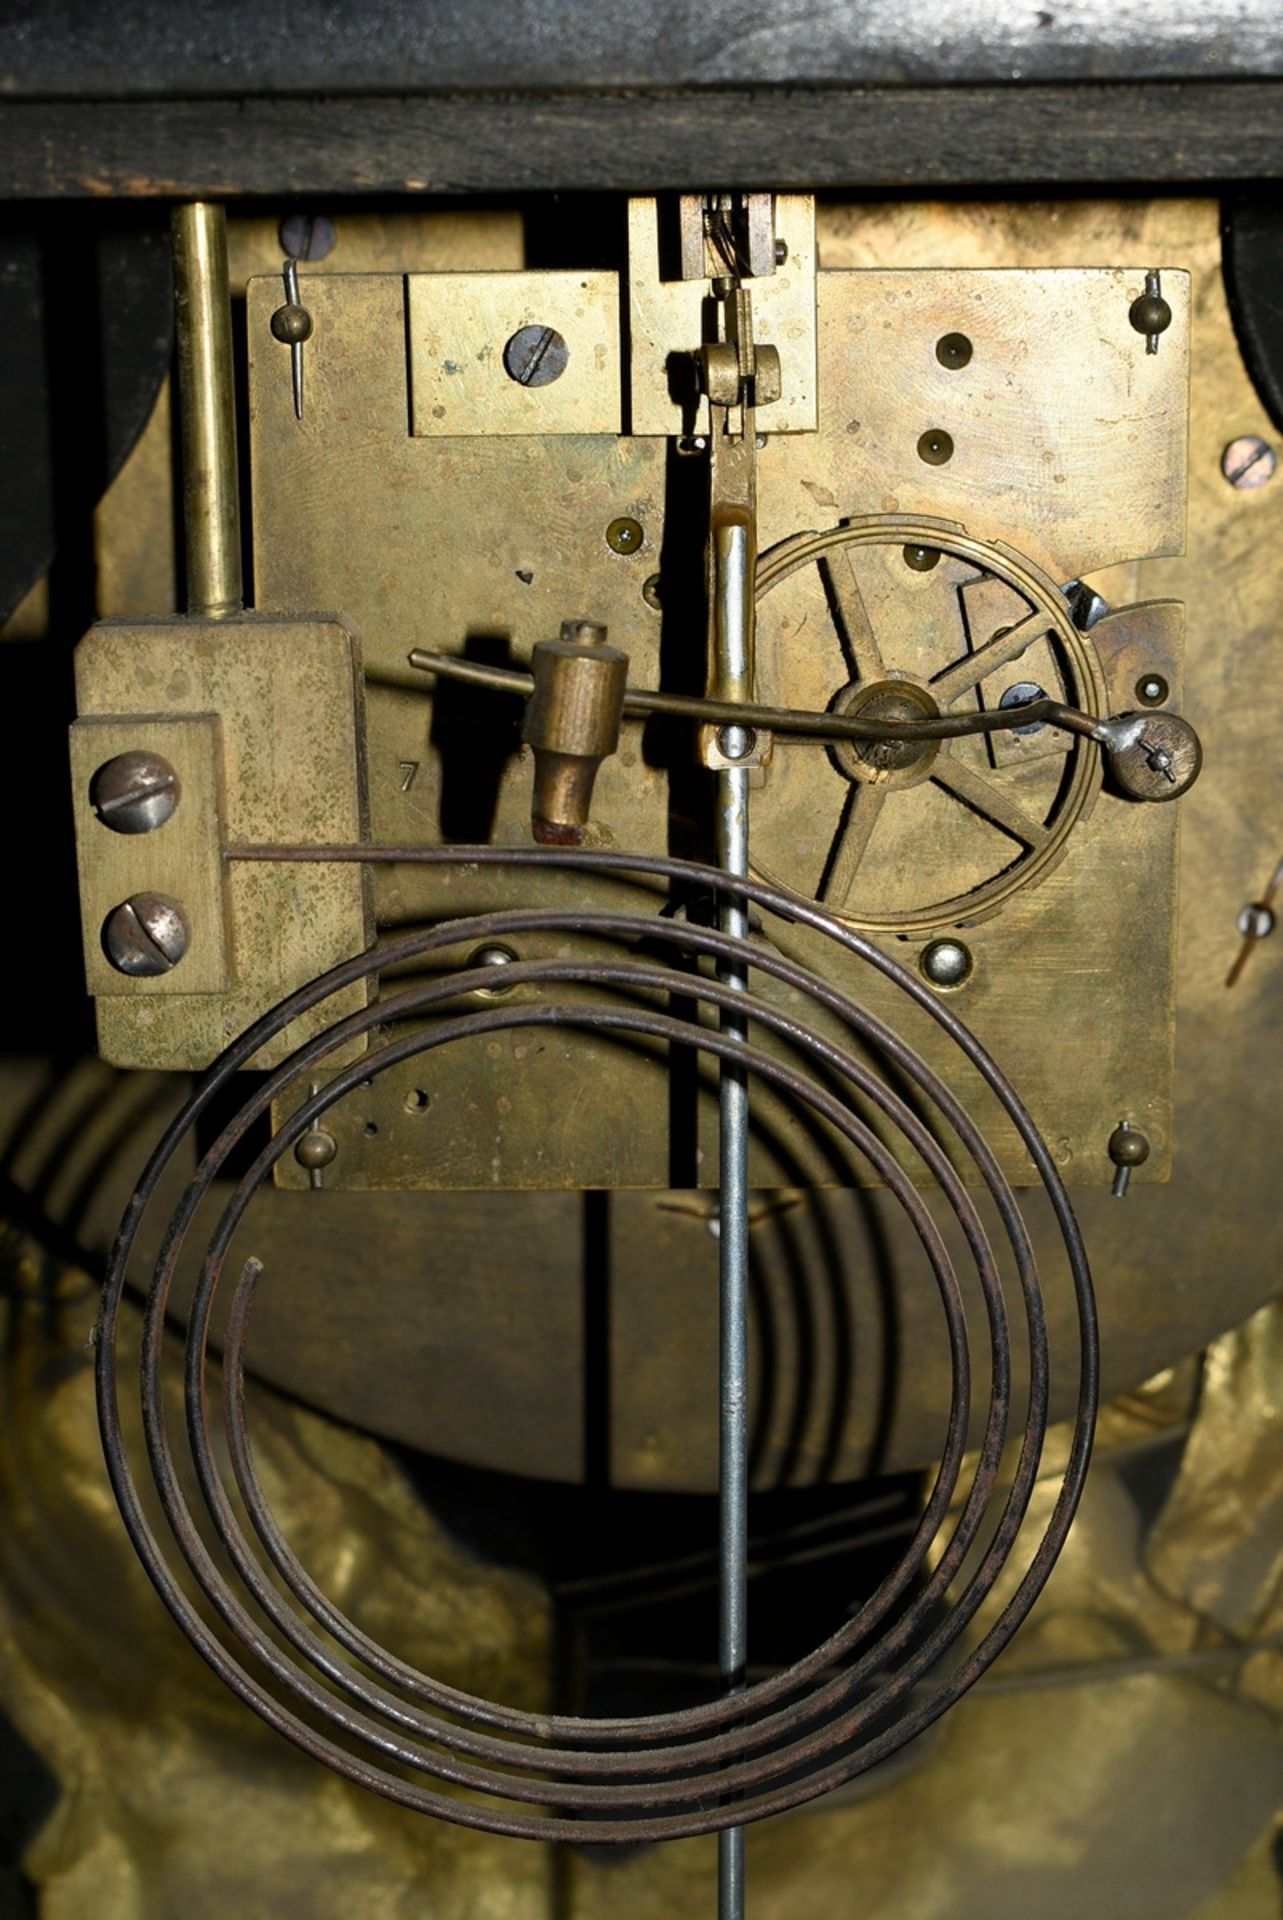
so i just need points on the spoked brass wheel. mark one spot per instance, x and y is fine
(903, 618)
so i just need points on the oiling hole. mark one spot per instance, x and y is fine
(953, 351)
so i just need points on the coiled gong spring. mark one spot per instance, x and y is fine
(892, 1669)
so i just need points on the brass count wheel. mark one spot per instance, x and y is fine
(918, 618)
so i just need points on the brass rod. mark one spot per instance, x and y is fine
(211, 490)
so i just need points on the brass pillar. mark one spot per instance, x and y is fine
(203, 326)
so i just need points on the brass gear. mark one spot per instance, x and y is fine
(1043, 842)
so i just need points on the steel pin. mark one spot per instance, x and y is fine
(292, 325)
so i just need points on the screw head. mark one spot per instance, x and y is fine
(736, 743)
(946, 963)
(1021, 695)
(1256, 921)
(624, 535)
(1086, 607)
(921, 559)
(135, 793)
(1128, 1146)
(1152, 689)
(651, 593)
(781, 252)
(536, 356)
(291, 325)
(146, 935)
(1162, 762)
(307, 236)
(935, 447)
(1249, 462)
(315, 1149)
(493, 956)
(954, 351)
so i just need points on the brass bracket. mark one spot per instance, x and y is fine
(665, 320)
(262, 718)
(514, 353)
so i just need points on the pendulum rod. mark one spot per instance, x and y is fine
(732, 854)
(733, 561)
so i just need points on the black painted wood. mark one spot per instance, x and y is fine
(902, 139)
(133, 49)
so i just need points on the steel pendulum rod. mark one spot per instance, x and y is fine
(733, 370)
(732, 851)
(734, 558)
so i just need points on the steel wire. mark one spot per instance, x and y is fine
(291, 1654)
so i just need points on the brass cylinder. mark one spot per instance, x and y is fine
(211, 490)
(572, 722)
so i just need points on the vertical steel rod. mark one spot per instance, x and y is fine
(732, 813)
(211, 488)
(733, 620)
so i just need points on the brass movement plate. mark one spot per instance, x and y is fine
(1070, 441)
(134, 522)
(484, 544)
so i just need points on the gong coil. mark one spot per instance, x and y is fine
(290, 1654)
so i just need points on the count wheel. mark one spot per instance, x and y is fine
(900, 618)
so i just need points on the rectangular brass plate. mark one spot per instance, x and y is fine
(668, 321)
(288, 697)
(460, 324)
(181, 859)
(1070, 441)
(485, 544)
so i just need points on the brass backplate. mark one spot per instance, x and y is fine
(1069, 446)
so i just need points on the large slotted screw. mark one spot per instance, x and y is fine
(146, 935)
(536, 356)
(135, 793)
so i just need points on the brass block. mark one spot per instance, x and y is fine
(667, 325)
(288, 698)
(462, 378)
(181, 858)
